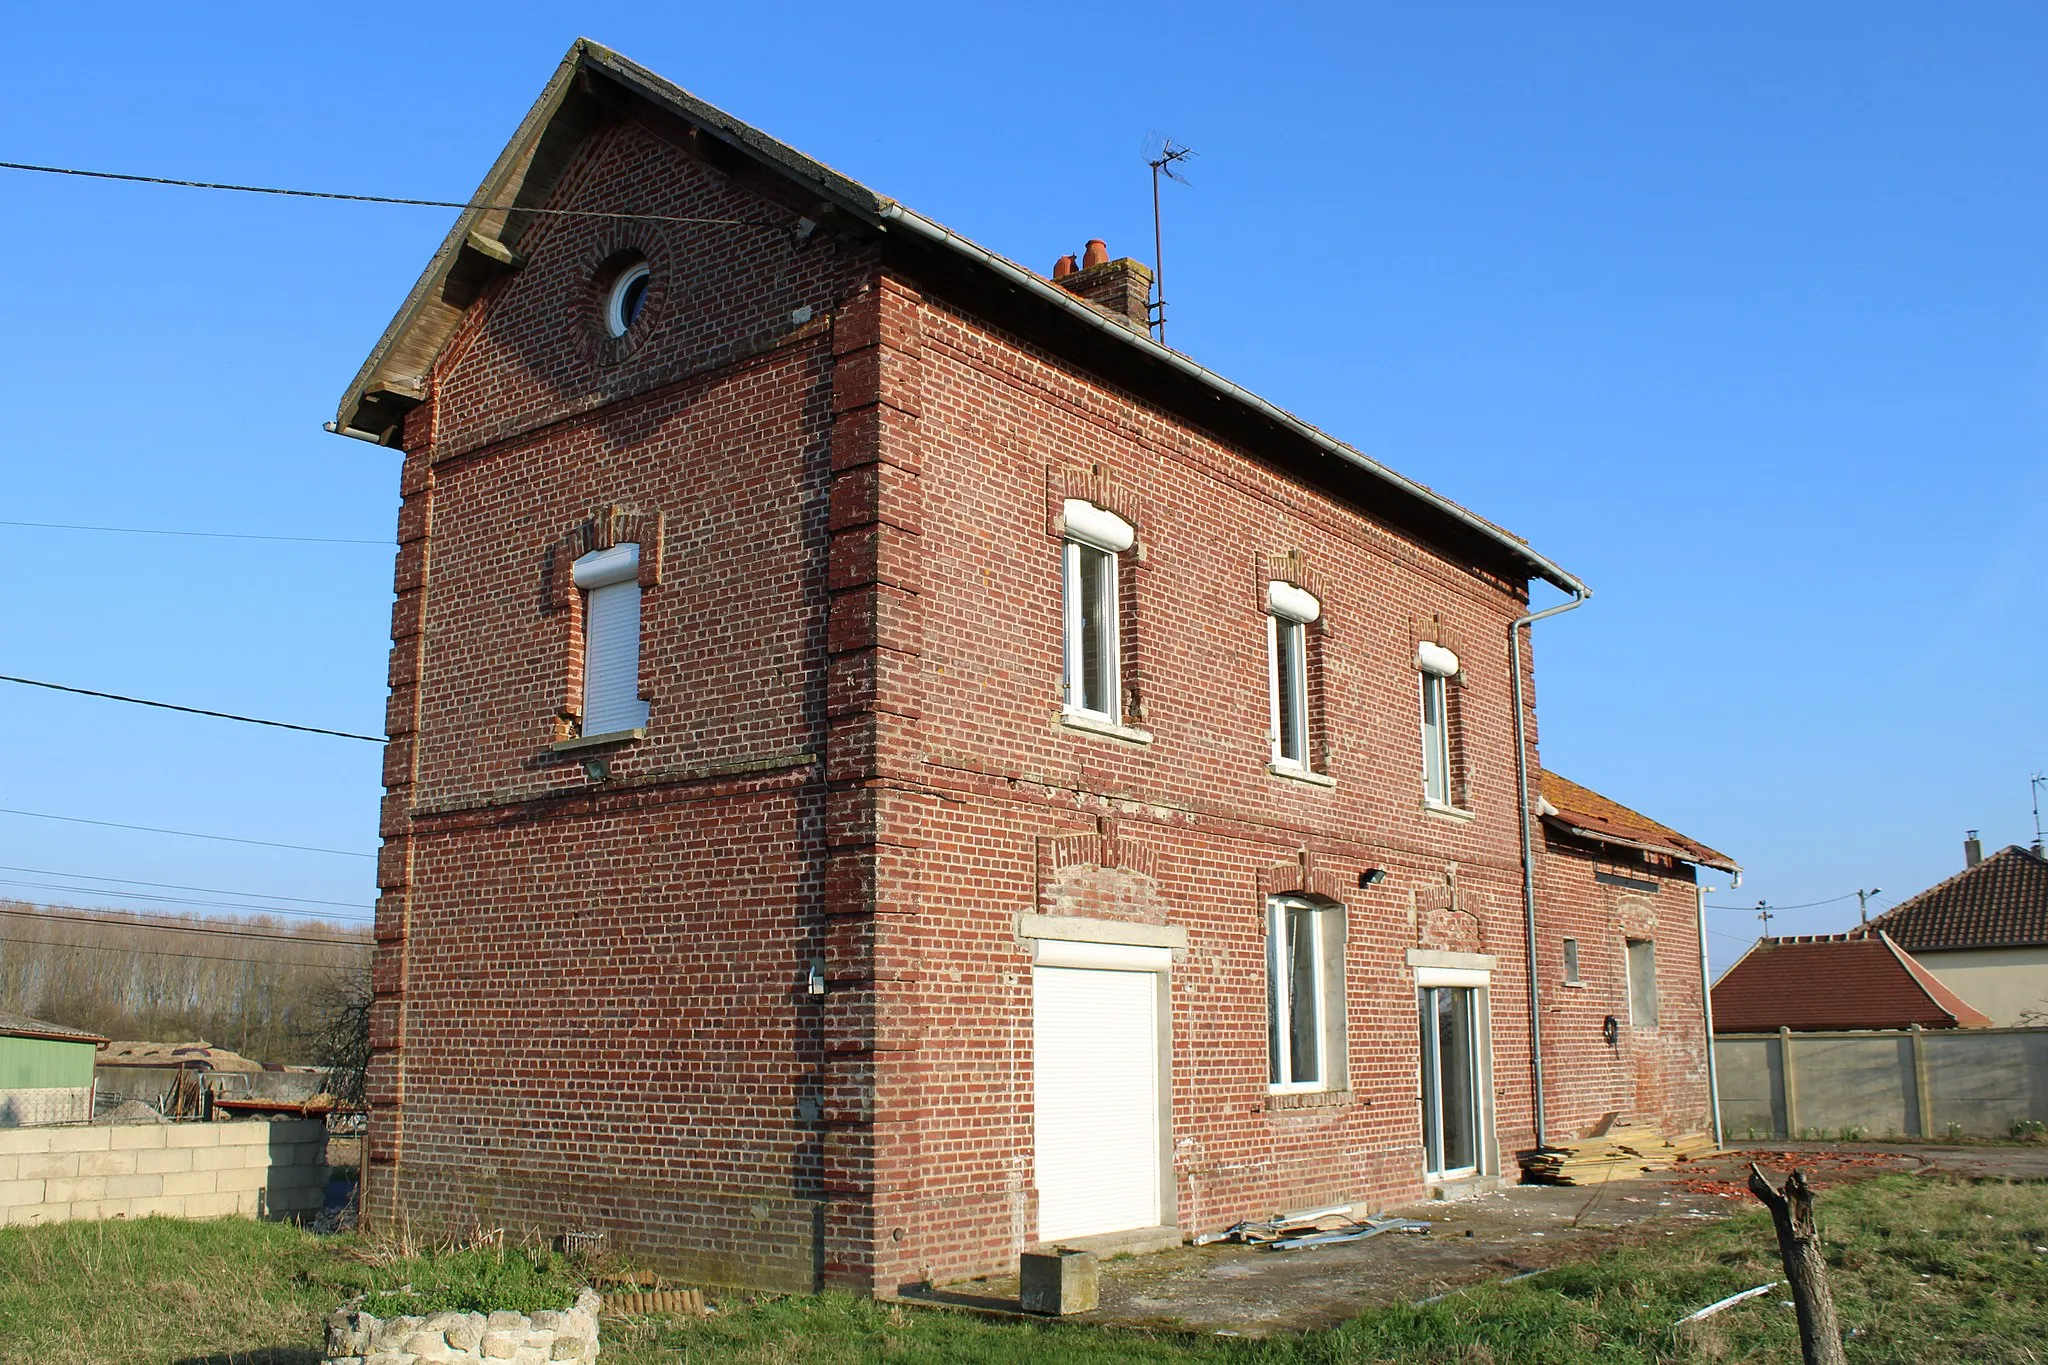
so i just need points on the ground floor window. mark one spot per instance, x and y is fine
(1304, 995)
(1450, 1080)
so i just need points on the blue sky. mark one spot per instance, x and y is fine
(1741, 314)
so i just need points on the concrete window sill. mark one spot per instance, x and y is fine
(570, 746)
(1302, 775)
(1443, 812)
(1108, 729)
(1285, 1100)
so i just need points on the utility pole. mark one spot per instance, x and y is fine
(1863, 903)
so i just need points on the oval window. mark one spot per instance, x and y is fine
(628, 297)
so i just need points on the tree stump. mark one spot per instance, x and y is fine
(1806, 1270)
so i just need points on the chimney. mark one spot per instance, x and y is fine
(1120, 288)
(1973, 849)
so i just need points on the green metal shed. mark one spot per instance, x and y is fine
(45, 1072)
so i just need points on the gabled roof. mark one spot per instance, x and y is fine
(593, 84)
(2002, 902)
(1585, 813)
(21, 1026)
(1829, 982)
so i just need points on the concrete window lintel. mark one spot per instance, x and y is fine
(1079, 929)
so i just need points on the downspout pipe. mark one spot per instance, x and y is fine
(1699, 893)
(1580, 595)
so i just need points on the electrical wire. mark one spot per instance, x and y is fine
(196, 957)
(389, 199)
(243, 906)
(89, 917)
(206, 535)
(186, 833)
(178, 886)
(1769, 906)
(191, 710)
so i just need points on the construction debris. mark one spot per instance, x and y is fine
(1622, 1152)
(1312, 1228)
(1728, 1302)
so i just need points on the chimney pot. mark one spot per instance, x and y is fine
(1064, 267)
(1096, 253)
(1973, 849)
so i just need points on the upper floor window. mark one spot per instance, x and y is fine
(1436, 666)
(628, 295)
(1291, 612)
(1642, 982)
(610, 583)
(1094, 540)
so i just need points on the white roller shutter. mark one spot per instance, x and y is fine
(1097, 1100)
(611, 640)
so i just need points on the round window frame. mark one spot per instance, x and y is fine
(616, 324)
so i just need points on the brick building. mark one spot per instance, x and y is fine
(890, 764)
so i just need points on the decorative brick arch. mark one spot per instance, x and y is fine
(1100, 876)
(1304, 876)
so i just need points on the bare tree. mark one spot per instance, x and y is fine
(339, 1038)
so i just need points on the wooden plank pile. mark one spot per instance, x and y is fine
(1622, 1151)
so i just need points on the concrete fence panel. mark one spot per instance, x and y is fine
(190, 1170)
(1883, 1082)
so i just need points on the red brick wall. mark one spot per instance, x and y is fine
(1656, 1073)
(594, 1008)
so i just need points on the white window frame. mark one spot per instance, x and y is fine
(1090, 529)
(1281, 1007)
(1290, 611)
(610, 571)
(1436, 740)
(615, 320)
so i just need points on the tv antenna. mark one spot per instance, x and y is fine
(1161, 154)
(2037, 781)
(1763, 912)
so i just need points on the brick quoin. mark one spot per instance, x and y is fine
(750, 994)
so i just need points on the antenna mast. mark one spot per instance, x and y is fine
(2037, 781)
(1168, 153)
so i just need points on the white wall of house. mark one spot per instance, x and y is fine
(2005, 983)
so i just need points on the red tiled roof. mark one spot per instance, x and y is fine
(1583, 811)
(2002, 902)
(1828, 982)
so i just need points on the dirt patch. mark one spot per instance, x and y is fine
(1249, 1291)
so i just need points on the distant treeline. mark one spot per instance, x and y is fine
(266, 987)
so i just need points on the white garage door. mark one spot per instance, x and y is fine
(1097, 1066)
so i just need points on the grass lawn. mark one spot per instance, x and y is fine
(1925, 1270)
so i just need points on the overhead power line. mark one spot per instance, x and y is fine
(195, 957)
(88, 917)
(391, 199)
(204, 535)
(192, 710)
(179, 886)
(218, 891)
(1805, 906)
(185, 833)
(105, 897)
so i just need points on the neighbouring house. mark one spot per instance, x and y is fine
(45, 1072)
(1622, 957)
(890, 764)
(1825, 983)
(1984, 933)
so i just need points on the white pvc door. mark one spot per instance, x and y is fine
(1097, 1064)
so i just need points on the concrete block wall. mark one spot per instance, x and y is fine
(195, 1170)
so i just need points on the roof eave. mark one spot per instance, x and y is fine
(1694, 856)
(861, 204)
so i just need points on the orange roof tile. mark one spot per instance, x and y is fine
(1583, 811)
(1830, 982)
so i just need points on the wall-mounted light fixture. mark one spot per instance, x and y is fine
(1372, 876)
